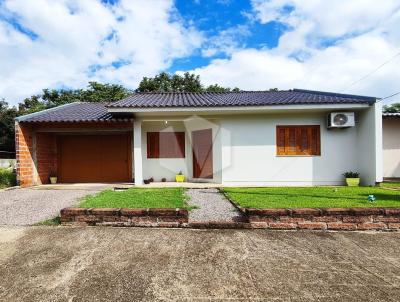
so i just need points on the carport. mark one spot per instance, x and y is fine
(79, 146)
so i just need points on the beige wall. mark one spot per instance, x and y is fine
(391, 147)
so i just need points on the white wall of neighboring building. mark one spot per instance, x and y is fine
(391, 147)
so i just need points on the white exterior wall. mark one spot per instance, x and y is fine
(391, 147)
(159, 168)
(253, 159)
(369, 145)
(244, 150)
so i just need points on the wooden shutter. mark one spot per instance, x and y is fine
(165, 144)
(298, 140)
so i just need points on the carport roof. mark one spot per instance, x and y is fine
(74, 112)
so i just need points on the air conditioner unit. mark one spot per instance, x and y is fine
(341, 119)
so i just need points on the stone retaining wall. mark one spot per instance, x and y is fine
(125, 217)
(348, 219)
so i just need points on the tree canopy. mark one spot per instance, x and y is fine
(393, 108)
(187, 82)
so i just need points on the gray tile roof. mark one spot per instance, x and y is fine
(74, 112)
(245, 98)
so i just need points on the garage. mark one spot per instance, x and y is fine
(94, 158)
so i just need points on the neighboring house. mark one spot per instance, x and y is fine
(236, 138)
(391, 145)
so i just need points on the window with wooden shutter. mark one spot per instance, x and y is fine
(298, 140)
(165, 144)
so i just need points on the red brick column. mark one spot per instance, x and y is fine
(24, 155)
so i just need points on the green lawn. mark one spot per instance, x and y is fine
(137, 198)
(390, 184)
(312, 197)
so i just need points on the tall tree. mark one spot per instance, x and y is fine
(7, 116)
(189, 82)
(393, 108)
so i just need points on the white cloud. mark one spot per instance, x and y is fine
(330, 45)
(72, 36)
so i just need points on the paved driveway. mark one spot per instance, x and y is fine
(138, 264)
(29, 206)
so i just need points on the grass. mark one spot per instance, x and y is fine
(312, 197)
(137, 198)
(7, 178)
(51, 221)
(390, 184)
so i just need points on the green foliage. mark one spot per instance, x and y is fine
(351, 174)
(393, 108)
(137, 198)
(312, 197)
(165, 82)
(51, 222)
(7, 116)
(7, 178)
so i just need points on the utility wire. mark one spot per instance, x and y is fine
(373, 71)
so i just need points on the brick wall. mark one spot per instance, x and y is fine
(46, 155)
(349, 219)
(24, 155)
(125, 217)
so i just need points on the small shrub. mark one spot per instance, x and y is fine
(351, 174)
(7, 178)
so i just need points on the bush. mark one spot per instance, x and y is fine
(351, 174)
(7, 178)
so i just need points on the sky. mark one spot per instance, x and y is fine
(344, 46)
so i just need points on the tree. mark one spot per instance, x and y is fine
(165, 82)
(7, 116)
(393, 108)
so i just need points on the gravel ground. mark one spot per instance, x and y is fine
(29, 206)
(213, 206)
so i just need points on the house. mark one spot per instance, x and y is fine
(391, 145)
(234, 138)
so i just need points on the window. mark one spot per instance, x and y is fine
(298, 140)
(165, 144)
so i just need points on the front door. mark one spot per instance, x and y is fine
(202, 154)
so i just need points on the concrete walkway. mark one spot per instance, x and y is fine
(142, 264)
(213, 206)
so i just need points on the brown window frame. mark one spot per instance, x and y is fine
(157, 144)
(287, 134)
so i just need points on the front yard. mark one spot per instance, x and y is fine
(137, 198)
(312, 197)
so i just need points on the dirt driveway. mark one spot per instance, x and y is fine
(138, 264)
(32, 205)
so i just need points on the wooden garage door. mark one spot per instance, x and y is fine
(94, 158)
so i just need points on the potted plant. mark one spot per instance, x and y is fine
(352, 178)
(53, 177)
(180, 177)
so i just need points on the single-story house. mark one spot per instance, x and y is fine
(293, 137)
(391, 145)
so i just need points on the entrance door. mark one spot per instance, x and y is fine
(202, 153)
(94, 158)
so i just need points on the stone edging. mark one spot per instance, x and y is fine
(348, 219)
(125, 217)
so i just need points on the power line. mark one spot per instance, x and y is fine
(373, 71)
(389, 96)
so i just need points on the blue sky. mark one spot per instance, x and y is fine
(250, 44)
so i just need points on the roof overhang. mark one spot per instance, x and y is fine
(237, 109)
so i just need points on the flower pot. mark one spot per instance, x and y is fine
(53, 180)
(353, 182)
(180, 178)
